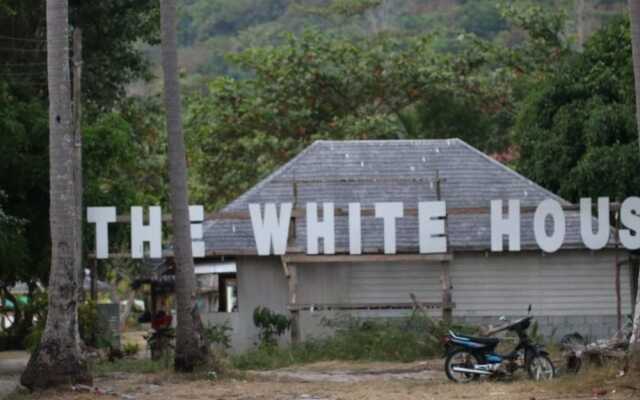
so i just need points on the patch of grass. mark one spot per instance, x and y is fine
(591, 380)
(19, 394)
(133, 366)
(402, 339)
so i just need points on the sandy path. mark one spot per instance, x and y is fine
(12, 363)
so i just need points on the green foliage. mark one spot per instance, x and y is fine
(408, 339)
(13, 245)
(111, 55)
(88, 321)
(24, 181)
(111, 60)
(219, 335)
(345, 8)
(131, 349)
(576, 131)
(482, 18)
(271, 325)
(314, 87)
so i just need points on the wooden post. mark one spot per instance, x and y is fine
(445, 281)
(293, 299)
(94, 279)
(446, 292)
(617, 261)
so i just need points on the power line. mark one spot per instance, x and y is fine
(23, 39)
(23, 50)
(21, 64)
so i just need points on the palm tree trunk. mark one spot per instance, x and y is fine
(634, 15)
(58, 359)
(191, 348)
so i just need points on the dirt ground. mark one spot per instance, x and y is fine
(347, 381)
(11, 365)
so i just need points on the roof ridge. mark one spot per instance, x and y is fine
(513, 172)
(387, 141)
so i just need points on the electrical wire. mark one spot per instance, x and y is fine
(23, 39)
(8, 49)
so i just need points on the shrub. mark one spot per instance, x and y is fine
(271, 325)
(219, 334)
(355, 339)
(87, 322)
(131, 349)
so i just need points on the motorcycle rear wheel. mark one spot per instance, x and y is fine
(540, 368)
(460, 358)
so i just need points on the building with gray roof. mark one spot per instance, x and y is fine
(572, 289)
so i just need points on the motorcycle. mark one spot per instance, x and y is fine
(468, 358)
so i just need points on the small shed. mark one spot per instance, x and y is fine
(573, 289)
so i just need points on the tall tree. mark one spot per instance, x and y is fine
(634, 14)
(190, 350)
(58, 358)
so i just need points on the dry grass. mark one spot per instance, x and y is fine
(598, 383)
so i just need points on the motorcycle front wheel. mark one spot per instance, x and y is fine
(540, 368)
(464, 359)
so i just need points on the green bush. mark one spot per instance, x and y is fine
(219, 334)
(399, 339)
(271, 325)
(87, 322)
(131, 349)
(33, 338)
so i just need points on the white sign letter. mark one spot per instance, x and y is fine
(509, 226)
(151, 233)
(272, 229)
(630, 218)
(324, 229)
(101, 216)
(600, 239)
(431, 216)
(355, 229)
(552, 208)
(196, 214)
(389, 212)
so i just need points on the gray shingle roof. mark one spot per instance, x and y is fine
(393, 170)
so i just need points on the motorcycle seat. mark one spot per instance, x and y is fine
(488, 341)
(485, 340)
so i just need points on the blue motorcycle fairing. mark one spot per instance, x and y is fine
(472, 342)
(493, 358)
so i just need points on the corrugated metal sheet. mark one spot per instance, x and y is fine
(369, 283)
(566, 283)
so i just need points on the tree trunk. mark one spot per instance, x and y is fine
(58, 359)
(634, 15)
(635, 332)
(191, 348)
